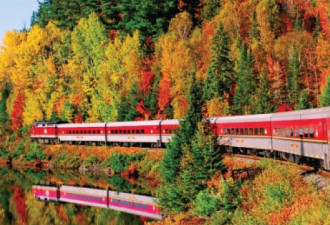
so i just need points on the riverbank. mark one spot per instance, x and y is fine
(274, 194)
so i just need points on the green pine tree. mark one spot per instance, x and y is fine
(187, 129)
(211, 9)
(297, 24)
(325, 97)
(219, 76)
(127, 109)
(317, 29)
(4, 117)
(245, 83)
(230, 197)
(303, 102)
(255, 31)
(293, 77)
(150, 99)
(206, 155)
(263, 103)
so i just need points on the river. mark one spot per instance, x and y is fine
(29, 196)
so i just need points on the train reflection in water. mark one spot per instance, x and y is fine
(130, 203)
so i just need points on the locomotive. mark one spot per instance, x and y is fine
(293, 136)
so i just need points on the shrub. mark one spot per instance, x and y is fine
(230, 197)
(119, 162)
(34, 153)
(4, 154)
(220, 218)
(66, 161)
(91, 160)
(19, 150)
(120, 184)
(205, 204)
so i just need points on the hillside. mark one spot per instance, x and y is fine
(98, 62)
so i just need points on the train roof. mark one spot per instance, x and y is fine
(242, 119)
(302, 114)
(80, 125)
(134, 123)
(143, 123)
(83, 190)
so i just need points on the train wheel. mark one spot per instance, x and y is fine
(242, 150)
(268, 154)
(291, 158)
(251, 151)
(229, 149)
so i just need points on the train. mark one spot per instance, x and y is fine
(125, 202)
(293, 136)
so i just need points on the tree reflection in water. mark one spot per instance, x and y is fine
(18, 205)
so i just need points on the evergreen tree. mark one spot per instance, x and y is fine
(219, 75)
(317, 29)
(293, 77)
(297, 24)
(303, 102)
(211, 9)
(245, 84)
(4, 117)
(263, 102)
(42, 16)
(151, 98)
(255, 31)
(325, 97)
(127, 110)
(188, 126)
(150, 17)
(230, 197)
(206, 155)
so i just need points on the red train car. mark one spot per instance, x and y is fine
(44, 132)
(125, 202)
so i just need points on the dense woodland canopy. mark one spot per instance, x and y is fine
(91, 60)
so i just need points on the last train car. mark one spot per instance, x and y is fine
(303, 133)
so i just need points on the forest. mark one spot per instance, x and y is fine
(90, 60)
(124, 60)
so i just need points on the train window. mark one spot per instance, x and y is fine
(137, 131)
(119, 131)
(237, 131)
(166, 131)
(124, 131)
(287, 132)
(116, 131)
(98, 131)
(296, 132)
(246, 132)
(306, 132)
(142, 131)
(262, 131)
(133, 131)
(256, 131)
(128, 131)
(250, 131)
(228, 130)
(311, 132)
(232, 130)
(111, 132)
(241, 131)
(69, 131)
